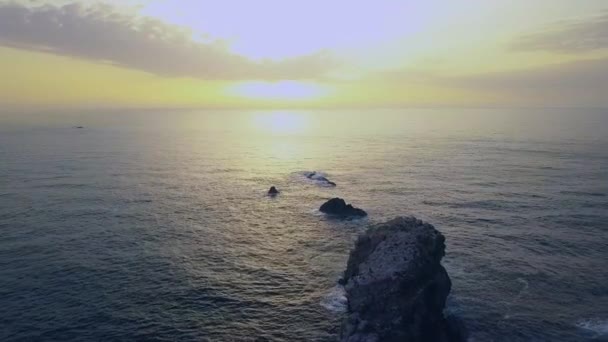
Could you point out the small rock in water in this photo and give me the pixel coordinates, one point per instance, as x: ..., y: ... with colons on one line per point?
x: 338, y: 207
x: 317, y: 177
x: 325, y: 180
x: 273, y: 191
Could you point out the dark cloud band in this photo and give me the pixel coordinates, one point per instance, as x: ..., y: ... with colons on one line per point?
x: 102, y: 33
x: 568, y: 37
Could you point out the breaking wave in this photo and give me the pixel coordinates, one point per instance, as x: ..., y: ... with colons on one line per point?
x: 335, y: 300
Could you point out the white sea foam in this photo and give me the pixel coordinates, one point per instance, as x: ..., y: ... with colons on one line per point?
x: 596, y: 326
x: 317, y: 212
x: 335, y: 300
x: 314, y: 174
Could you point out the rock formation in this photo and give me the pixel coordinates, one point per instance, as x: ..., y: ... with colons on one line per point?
x: 396, y: 286
x: 317, y: 177
x: 273, y: 191
x: 338, y: 207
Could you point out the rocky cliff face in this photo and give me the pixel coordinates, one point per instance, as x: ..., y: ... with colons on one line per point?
x: 396, y: 286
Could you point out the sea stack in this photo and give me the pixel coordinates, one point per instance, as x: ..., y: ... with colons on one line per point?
x: 338, y: 207
x: 396, y: 286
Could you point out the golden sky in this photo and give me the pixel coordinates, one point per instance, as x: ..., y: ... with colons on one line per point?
x: 277, y: 53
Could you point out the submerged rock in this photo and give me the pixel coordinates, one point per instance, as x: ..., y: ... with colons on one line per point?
x: 326, y: 181
x: 273, y: 191
x: 310, y: 175
x: 319, y: 178
x: 396, y: 286
x: 338, y: 207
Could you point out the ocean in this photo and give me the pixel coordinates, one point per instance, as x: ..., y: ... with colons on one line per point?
x: 154, y: 225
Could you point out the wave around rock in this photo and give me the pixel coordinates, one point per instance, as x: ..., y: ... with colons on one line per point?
x: 319, y: 178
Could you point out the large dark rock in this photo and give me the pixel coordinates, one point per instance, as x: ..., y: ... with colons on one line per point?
x: 396, y: 286
x: 338, y: 207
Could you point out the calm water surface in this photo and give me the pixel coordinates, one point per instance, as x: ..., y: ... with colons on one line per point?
x: 154, y: 225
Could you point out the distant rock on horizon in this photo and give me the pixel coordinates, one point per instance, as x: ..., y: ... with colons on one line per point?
x: 396, y: 286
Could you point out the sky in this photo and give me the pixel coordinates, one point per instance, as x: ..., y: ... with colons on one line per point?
x: 314, y: 53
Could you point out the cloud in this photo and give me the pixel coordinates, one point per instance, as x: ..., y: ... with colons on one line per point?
x: 578, y: 83
x: 102, y: 33
x: 568, y: 36
x: 588, y: 75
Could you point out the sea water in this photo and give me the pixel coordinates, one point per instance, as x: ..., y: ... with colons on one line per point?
x: 154, y: 225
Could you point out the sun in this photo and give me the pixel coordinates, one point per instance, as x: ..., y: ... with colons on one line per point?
x: 279, y: 91
x: 281, y: 122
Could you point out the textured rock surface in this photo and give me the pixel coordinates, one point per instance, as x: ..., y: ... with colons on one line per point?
x: 338, y: 207
x: 396, y: 286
